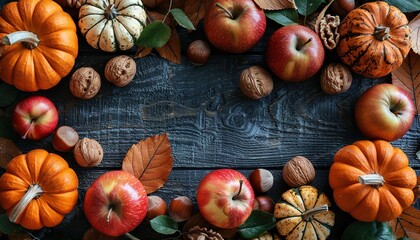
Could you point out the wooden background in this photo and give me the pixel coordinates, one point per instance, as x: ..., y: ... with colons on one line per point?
x: 209, y: 122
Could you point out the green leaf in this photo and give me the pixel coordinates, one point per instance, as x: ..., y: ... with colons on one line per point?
x: 8, y: 94
x: 306, y: 7
x: 256, y: 224
x: 405, y: 5
x: 154, y: 35
x: 164, y: 225
x: 7, y: 227
x: 284, y: 17
x: 182, y: 19
x: 368, y: 231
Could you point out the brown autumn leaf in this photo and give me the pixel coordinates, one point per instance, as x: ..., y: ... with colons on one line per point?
x: 275, y: 4
x: 172, y: 49
x: 407, y: 76
x: 8, y: 150
x: 150, y: 160
x: 407, y: 224
x: 142, y: 52
x: 195, y: 10
x: 415, y: 34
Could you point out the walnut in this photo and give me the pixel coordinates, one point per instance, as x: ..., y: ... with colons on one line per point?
x: 298, y: 171
x: 198, y: 233
x: 328, y: 31
x: 88, y: 152
x: 85, y: 83
x: 255, y: 82
x: 120, y: 70
x: 335, y: 78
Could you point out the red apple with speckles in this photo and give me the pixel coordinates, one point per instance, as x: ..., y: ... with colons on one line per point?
x: 225, y: 198
x: 115, y: 203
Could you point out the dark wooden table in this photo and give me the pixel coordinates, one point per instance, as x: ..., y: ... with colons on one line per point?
x: 209, y: 122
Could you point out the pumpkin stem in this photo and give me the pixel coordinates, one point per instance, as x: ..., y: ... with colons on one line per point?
x: 225, y: 10
x: 381, y: 33
x: 29, y: 39
x: 34, y: 191
x: 110, y: 12
x: 372, y: 179
x: 301, y: 46
x: 308, y: 214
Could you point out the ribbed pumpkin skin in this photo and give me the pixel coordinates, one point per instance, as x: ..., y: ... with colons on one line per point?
x: 362, y: 51
x: 368, y: 203
x: 44, y: 66
x: 52, y: 173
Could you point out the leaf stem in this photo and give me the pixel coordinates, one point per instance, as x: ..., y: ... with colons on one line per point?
x: 130, y: 236
x: 169, y: 10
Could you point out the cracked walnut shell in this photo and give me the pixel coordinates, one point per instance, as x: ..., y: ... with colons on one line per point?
x: 328, y: 31
x: 255, y: 82
x: 88, y: 152
x: 335, y: 78
x: 120, y: 70
x: 85, y: 83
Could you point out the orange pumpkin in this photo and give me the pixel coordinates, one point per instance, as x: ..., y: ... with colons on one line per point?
x: 38, y: 44
x: 38, y: 189
x: 372, y: 180
x: 374, y: 39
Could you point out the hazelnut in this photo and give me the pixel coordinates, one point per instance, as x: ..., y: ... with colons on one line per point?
x: 120, y: 70
x: 198, y: 52
x: 342, y: 7
x: 298, y: 171
x: 64, y: 138
x: 256, y: 82
x: 261, y: 180
x: 88, y: 152
x: 335, y: 78
x: 156, y: 206
x: 181, y: 208
x: 85, y: 83
x: 264, y: 203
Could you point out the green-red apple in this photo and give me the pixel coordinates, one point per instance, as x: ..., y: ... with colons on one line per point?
x: 384, y: 111
x: 234, y: 26
x: 115, y: 203
x: 294, y: 53
x: 34, y: 117
x: 225, y: 198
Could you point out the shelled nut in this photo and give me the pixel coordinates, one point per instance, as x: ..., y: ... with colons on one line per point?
x: 64, y: 138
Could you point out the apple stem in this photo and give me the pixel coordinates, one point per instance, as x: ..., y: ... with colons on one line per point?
x: 108, y: 216
x: 27, y: 130
x: 301, y: 46
x: 224, y: 9
x: 241, y: 182
x: 33, y: 191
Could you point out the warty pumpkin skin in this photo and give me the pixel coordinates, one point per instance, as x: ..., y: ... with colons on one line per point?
x: 371, y: 180
x: 374, y: 39
x: 39, y: 44
x: 112, y: 25
x: 38, y: 189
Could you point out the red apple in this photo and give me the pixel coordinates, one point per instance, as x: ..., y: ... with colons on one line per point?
x: 225, y: 198
x: 34, y: 117
x: 115, y: 203
x: 234, y: 26
x: 384, y: 111
x: 294, y: 53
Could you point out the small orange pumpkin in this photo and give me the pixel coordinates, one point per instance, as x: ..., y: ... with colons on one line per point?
x: 374, y: 39
x: 38, y: 189
x: 38, y: 44
x: 371, y: 180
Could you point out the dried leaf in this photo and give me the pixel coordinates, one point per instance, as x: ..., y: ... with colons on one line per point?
x: 407, y: 224
x: 151, y: 161
x: 321, y: 16
x: 415, y: 34
x: 172, y: 49
x: 8, y: 150
x: 142, y: 52
x: 195, y: 10
x: 407, y: 76
x: 275, y: 4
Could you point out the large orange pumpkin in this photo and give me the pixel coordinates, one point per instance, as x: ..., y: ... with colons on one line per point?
x: 38, y: 189
x: 374, y: 39
x: 372, y: 180
x: 38, y: 44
